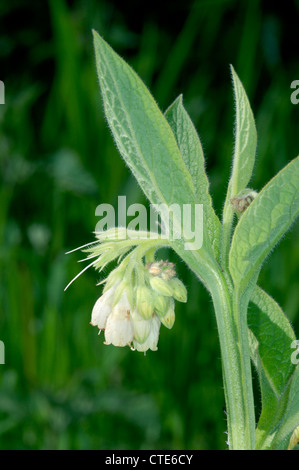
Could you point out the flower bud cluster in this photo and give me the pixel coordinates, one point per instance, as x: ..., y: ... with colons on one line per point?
x: 240, y: 203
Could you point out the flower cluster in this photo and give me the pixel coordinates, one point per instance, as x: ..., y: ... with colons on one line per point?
x: 138, y: 295
x: 132, y: 314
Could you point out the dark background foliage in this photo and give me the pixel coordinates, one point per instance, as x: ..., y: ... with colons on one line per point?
x: 61, y: 388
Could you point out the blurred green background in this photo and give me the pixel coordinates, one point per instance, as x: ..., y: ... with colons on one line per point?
x: 61, y: 388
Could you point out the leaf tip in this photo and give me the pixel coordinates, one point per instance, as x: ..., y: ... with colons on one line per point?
x: 94, y: 33
x: 97, y: 38
x: 234, y: 74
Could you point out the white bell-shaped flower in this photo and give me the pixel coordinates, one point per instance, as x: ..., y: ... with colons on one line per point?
x: 153, y: 337
x: 102, y: 309
x: 119, y: 328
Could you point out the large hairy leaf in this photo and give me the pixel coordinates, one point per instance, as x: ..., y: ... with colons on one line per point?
x: 144, y: 137
x: 192, y: 153
x: 271, y: 337
x: 263, y: 224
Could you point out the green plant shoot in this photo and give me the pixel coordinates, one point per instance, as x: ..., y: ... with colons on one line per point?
x: 165, y: 155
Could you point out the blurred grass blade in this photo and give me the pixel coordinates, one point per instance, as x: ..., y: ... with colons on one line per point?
x: 192, y: 153
x: 68, y: 70
x: 271, y: 336
x: 263, y: 224
x: 178, y: 54
x: 143, y: 135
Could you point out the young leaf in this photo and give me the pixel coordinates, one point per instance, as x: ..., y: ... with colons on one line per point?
x: 191, y: 150
x: 245, y: 140
x: 271, y: 336
x: 263, y: 223
x: 243, y: 161
x: 143, y: 135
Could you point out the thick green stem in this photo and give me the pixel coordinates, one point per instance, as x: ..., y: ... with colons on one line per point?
x: 231, y: 314
x: 232, y: 329
x: 237, y: 379
x: 228, y: 217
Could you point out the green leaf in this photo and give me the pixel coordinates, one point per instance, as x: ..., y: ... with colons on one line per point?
x: 245, y: 140
x: 191, y: 150
x: 263, y: 224
x: 290, y: 420
x: 243, y: 161
x: 271, y: 337
x: 275, y: 334
x: 143, y: 135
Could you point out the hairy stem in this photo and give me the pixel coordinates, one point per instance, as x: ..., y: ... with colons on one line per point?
x: 227, y: 224
x: 232, y: 329
x: 236, y: 368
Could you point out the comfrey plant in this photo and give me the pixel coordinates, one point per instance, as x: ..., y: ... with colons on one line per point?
x: 165, y: 155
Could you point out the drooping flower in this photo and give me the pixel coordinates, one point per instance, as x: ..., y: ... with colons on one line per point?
x: 137, y: 297
x: 119, y: 328
x: 152, y: 340
x: 102, y: 309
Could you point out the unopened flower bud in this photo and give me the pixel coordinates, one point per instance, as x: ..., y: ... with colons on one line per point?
x: 163, y: 269
x: 179, y: 291
x: 144, y: 302
x: 169, y: 318
x: 161, y: 303
x: 161, y: 286
x: 243, y: 200
x: 154, y: 269
x: 141, y: 327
